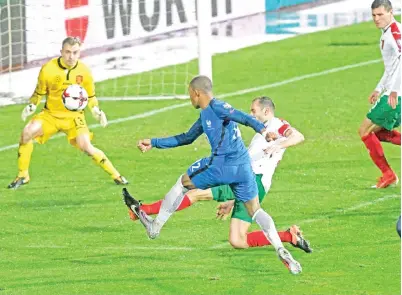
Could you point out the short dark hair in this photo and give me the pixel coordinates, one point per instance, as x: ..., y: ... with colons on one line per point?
x: 385, y: 3
x: 202, y: 83
x: 71, y: 41
x: 265, y: 102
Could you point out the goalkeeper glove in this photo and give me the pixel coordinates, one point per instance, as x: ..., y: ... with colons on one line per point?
x: 99, y: 115
x: 27, y: 111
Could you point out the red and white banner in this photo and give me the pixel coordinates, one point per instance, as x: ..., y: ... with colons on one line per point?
x: 113, y: 23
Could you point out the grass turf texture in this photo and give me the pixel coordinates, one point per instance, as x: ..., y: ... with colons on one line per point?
x: 68, y: 232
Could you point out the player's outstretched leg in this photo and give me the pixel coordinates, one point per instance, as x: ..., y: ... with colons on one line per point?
x: 287, y: 259
x: 102, y: 161
x: 83, y: 142
x: 189, y: 199
x: 391, y: 136
x: 169, y: 205
x: 298, y: 240
x: 292, y: 235
x: 134, y: 206
x: 265, y: 221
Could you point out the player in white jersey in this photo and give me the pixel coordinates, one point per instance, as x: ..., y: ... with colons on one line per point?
x: 385, y: 114
x: 265, y: 157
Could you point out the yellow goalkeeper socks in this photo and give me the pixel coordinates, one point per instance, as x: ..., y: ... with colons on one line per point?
x: 24, y: 158
x: 102, y: 161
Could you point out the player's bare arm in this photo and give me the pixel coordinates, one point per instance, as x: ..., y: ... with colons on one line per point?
x: 395, y: 88
x: 293, y: 137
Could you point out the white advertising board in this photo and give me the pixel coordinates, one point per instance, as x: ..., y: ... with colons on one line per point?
x: 110, y: 23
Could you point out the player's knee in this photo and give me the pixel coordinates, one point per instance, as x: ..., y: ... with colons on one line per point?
x: 186, y: 182
x: 237, y: 242
x: 26, y: 135
x: 362, y: 131
x: 252, y: 206
x: 85, y: 146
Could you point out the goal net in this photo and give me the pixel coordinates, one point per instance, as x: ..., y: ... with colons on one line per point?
x: 135, y: 48
x: 144, y: 49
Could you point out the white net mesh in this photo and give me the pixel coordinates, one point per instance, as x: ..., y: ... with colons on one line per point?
x: 148, y: 48
x: 120, y: 38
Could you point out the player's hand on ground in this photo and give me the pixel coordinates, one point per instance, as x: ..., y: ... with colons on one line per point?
x: 99, y: 115
x: 144, y: 145
x: 393, y: 99
x: 374, y: 96
x: 275, y: 148
x: 27, y: 111
x: 224, y: 209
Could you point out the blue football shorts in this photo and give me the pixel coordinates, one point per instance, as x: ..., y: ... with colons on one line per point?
x: 205, y: 173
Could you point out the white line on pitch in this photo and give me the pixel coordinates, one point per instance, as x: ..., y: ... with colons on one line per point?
x: 116, y: 248
x: 225, y: 95
x: 339, y: 212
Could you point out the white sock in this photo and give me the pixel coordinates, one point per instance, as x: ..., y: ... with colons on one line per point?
x: 265, y: 221
x: 170, y: 203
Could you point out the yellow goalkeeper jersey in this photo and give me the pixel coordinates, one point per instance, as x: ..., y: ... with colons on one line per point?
x: 54, y: 78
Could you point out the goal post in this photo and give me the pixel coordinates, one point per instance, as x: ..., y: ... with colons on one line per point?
x: 204, y: 38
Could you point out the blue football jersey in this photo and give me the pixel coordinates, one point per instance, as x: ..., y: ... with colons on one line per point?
x: 218, y: 122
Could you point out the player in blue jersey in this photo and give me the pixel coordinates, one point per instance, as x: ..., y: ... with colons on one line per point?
x: 229, y: 163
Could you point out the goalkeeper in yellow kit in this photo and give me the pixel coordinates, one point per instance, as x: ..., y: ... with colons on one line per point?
x: 54, y: 77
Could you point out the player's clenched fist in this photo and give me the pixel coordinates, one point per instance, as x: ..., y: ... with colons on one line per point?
x: 144, y: 145
x: 27, y: 111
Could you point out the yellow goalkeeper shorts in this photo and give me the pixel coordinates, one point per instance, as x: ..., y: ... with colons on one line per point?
x: 71, y: 126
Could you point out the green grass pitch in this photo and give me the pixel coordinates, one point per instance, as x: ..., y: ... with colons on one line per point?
x: 68, y: 232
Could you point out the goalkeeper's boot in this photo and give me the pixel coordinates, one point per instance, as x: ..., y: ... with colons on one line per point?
x: 18, y: 181
x: 121, y: 180
x: 134, y: 206
x: 298, y: 240
x: 388, y: 179
x: 287, y: 259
